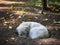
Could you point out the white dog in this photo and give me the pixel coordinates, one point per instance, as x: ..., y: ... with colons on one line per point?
x: 36, y: 30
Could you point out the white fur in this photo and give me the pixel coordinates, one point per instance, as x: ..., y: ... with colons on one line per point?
x: 36, y: 30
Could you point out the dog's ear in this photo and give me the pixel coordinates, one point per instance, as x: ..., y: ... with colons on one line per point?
x: 16, y: 33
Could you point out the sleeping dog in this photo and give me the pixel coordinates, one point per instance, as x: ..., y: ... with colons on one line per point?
x: 33, y: 30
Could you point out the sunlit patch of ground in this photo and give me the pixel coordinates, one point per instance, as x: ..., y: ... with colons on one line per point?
x: 49, y: 41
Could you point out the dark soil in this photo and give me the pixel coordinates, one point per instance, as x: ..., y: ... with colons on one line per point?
x: 9, y: 37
